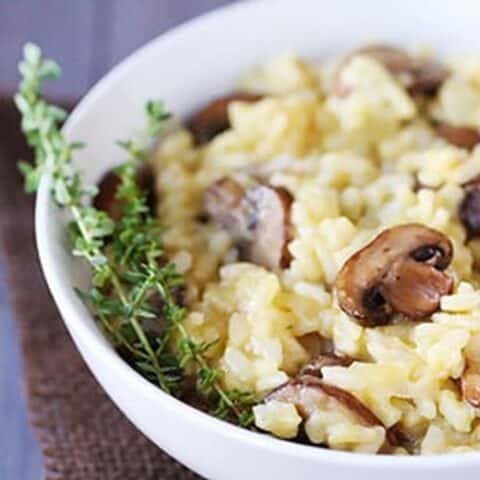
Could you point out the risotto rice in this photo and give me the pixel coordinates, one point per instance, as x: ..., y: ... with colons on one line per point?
x: 355, y: 164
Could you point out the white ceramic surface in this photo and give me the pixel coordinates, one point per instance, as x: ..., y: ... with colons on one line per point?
x: 185, y: 67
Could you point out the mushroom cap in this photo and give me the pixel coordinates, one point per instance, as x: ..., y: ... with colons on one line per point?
x: 399, y: 271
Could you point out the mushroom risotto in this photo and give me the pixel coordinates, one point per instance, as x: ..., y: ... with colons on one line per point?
x: 327, y: 221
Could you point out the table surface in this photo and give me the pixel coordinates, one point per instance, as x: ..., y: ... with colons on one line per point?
x: 87, y: 37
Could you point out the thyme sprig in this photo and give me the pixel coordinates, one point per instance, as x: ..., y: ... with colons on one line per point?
x: 132, y: 282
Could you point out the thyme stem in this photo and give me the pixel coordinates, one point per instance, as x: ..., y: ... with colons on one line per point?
x: 126, y: 257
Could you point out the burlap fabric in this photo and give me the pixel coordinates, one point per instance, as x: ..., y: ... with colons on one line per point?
x: 82, y: 435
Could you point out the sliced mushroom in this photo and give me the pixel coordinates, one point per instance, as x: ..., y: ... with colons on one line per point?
x: 105, y: 198
x: 107, y: 190
x: 257, y: 218
x: 315, y: 366
x: 400, y: 436
x: 419, y: 77
x: 395, y: 60
x: 463, y: 137
x: 322, y: 354
x: 316, y: 344
x: 425, y: 78
x: 471, y: 375
x: 223, y: 201
x: 469, y: 209
x: 310, y: 393
x: 401, y: 270
x: 212, y: 119
x: 471, y: 386
x: 271, y: 226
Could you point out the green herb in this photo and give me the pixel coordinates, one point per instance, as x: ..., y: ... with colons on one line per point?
x: 132, y: 280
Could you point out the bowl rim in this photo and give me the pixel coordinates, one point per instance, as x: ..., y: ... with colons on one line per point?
x: 73, y: 317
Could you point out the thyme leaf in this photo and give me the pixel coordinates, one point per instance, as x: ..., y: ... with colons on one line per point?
x: 132, y: 280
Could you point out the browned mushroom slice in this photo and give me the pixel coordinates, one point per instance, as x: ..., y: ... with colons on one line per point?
x: 401, y: 270
x: 146, y: 181
x: 107, y: 189
x: 419, y: 77
x: 398, y: 435
x: 471, y: 375
x: 395, y: 60
x: 414, y: 288
x: 271, y: 227
x: 425, y: 78
x: 463, y: 137
x: 471, y: 386
x: 315, y: 366
x: 316, y: 344
x: 257, y: 218
x: 469, y: 209
x: 309, y: 394
x: 322, y: 353
x: 105, y: 198
x: 212, y: 119
x: 223, y: 201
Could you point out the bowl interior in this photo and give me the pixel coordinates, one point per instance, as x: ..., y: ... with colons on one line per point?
x: 201, y: 60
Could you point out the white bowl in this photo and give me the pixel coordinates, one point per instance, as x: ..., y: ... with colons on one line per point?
x: 185, y: 67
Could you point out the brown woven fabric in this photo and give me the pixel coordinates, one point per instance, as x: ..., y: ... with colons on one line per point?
x: 83, y: 436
